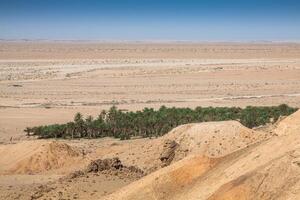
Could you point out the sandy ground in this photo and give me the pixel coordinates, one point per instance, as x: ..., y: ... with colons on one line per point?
x: 213, y: 160
x: 42, y: 83
x: 268, y: 169
x: 46, y: 82
x: 36, y: 169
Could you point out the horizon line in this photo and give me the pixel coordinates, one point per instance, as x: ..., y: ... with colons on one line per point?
x: 150, y: 41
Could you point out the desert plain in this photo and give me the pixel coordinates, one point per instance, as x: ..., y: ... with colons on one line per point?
x: 43, y: 82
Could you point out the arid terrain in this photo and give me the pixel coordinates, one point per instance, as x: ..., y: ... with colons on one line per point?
x: 42, y: 83
x: 212, y: 160
x: 48, y: 82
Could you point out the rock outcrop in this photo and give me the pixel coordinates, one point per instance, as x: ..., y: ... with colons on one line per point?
x: 113, y: 166
x: 168, y: 153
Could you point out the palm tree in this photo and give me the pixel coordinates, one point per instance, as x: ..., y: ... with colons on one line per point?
x: 70, y: 129
x: 28, y: 131
x: 89, y: 124
x: 79, y: 124
x: 149, y: 122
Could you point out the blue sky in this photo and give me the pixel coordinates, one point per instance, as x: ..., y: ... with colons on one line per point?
x: 202, y: 20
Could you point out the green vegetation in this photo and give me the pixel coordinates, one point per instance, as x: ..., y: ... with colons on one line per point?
x: 153, y: 123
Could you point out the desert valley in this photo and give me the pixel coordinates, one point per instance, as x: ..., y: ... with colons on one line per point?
x: 47, y: 82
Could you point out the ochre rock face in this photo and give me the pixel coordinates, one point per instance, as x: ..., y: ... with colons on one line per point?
x: 289, y: 125
x: 215, y: 161
x: 165, y: 183
x: 168, y: 152
x: 269, y: 169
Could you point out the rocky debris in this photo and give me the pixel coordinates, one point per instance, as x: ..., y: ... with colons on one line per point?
x: 168, y: 153
x: 105, y: 164
x: 41, y: 191
x: 136, y: 170
x: 114, y: 166
x: 109, y: 166
x: 75, y: 174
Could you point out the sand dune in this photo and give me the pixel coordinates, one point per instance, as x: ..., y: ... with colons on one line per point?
x: 266, y: 170
x: 289, y: 125
x: 199, y: 148
x: 214, y: 139
x: 211, y: 139
x: 213, y: 160
x: 45, y: 82
x: 164, y: 183
x: 33, y: 157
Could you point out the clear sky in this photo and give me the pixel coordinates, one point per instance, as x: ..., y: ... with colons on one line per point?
x: 193, y: 20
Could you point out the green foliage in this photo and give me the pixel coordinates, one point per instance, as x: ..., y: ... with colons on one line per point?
x: 154, y: 123
x: 256, y: 116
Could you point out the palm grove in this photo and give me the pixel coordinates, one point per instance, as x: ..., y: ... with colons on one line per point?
x: 153, y: 123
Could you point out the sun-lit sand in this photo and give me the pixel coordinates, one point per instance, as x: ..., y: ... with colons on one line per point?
x: 48, y: 82
x: 42, y: 83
